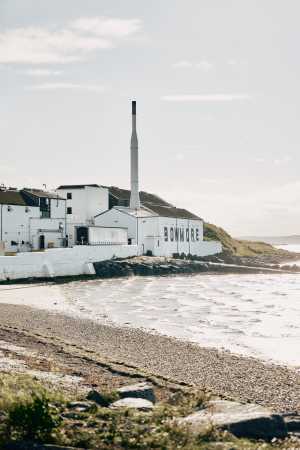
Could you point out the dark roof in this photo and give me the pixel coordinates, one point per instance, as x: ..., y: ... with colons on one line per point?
x: 77, y: 186
x: 124, y: 194
x: 42, y: 194
x: 171, y: 211
x: 11, y: 198
x: 154, y: 203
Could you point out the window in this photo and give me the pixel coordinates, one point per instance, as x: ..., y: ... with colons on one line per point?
x: 69, y: 210
x: 197, y: 234
x: 9, y: 208
x: 192, y: 235
x: 69, y: 195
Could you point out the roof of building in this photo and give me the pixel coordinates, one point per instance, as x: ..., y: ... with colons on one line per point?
x: 11, y: 197
x: 146, y: 197
x: 171, y: 211
x: 78, y: 186
x: 42, y: 194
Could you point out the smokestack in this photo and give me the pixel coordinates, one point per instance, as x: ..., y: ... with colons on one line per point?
x: 134, y: 173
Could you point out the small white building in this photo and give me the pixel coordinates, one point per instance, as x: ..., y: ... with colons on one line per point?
x: 83, y: 202
x: 31, y: 219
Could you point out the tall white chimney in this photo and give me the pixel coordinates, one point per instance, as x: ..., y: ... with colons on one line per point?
x: 134, y: 173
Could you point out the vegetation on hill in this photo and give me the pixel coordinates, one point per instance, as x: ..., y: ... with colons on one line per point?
x: 238, y: 247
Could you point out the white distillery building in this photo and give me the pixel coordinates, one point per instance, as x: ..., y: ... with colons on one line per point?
x: 155, y: 226
x: 31, y: 219
x: 83, y: 202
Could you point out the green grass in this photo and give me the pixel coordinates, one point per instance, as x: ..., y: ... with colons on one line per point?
x: 239, y: 247
x: 28, y: 412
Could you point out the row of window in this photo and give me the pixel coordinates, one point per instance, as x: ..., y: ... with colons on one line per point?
x: 181, y: 234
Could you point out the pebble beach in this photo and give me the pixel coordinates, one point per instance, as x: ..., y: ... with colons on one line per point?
x: 220, y: 372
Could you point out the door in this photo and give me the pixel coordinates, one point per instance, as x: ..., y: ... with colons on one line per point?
x: 82, y: 236
x: 42, y: 242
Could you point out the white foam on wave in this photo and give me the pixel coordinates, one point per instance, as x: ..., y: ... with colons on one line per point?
x: 257, y: 315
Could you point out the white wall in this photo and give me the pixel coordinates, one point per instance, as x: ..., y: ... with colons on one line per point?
x: 117, y: 218
x: 14, y: 226
x: 107, y: 236
x: 60, y: 261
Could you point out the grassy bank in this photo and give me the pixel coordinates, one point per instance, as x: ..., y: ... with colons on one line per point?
x: 238, y: 247
x: 32, y: 414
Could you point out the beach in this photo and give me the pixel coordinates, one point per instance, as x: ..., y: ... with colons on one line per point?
x: 144, y: 354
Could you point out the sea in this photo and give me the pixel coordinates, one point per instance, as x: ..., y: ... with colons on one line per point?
x: 253, y: 315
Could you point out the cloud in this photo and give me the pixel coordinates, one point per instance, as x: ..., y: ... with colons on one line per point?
x: 36, y: 45
x: 67, y: 86
x: 42, y: 73
x: 108, y: 27
x: 207, y: 97
x: 202, y: 65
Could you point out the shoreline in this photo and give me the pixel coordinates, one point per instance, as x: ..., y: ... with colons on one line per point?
x: 162, y: 266
x: 181, y: 362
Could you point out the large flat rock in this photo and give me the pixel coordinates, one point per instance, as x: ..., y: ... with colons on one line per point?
x: 138, y: 390
x: 140, y: 404
x: 249, y: 420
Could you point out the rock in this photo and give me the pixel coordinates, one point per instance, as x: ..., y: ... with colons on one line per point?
x: 249, y: 421
x: 81, y: 406
x: 292, y: 423
x: 139, y: 390
x: 137, y: 403
x: 98, y: 398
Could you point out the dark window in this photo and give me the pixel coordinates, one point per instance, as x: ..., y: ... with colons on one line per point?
x: 45, y: 207
x: 187, y: 235
x: 69, y: 195
x: 197, y: 234
x: 69, y: 210
x: 166, y: 234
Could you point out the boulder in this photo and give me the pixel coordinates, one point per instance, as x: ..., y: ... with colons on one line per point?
x: 248, y: 421
x: 139, y: 390
x: 137, y: 403
x: 292, y: 422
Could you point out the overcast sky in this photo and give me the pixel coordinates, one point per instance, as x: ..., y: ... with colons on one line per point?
x: 217, y: 90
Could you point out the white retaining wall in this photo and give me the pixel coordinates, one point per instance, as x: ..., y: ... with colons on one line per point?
x: 60, y: 261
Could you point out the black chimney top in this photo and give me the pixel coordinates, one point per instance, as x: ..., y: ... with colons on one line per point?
x: 134, y: 108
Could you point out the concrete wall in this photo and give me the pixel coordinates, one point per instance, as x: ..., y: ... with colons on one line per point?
x: 60, y: 261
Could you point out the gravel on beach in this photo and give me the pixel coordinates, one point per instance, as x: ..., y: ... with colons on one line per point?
x: 220, y: 372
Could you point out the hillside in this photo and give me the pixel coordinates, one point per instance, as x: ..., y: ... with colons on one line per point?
x: 239, y: 247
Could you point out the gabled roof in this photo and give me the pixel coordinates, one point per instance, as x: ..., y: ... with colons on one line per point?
x: 124, y: 194
x: 12, y: 198
x: 78, y: 186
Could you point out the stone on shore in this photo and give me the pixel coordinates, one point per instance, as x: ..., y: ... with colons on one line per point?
x: 137, y: 403
x: 139, y: 390
x: 247, y: 421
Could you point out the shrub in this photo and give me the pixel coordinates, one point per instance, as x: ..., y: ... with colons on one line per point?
x: 32, y: 420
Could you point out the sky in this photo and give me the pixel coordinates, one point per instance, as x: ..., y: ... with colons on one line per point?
x: 218, y: 101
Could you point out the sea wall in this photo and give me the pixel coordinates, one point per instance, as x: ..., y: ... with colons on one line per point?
x: 60, y: 262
